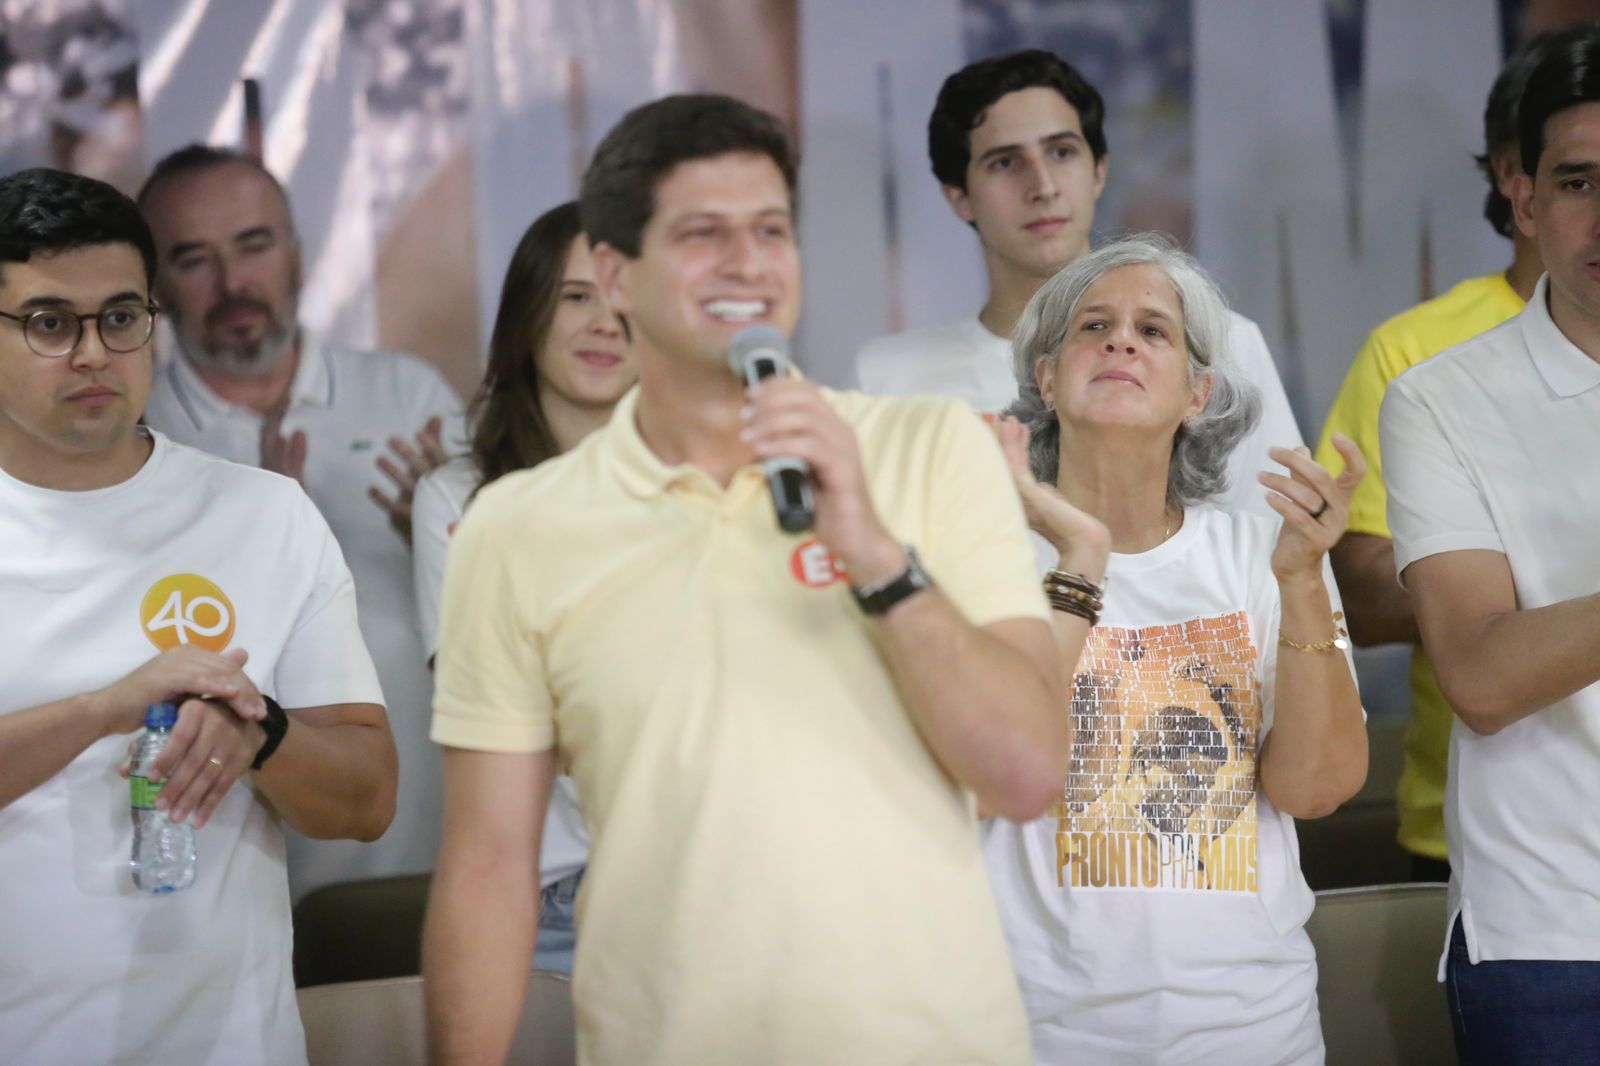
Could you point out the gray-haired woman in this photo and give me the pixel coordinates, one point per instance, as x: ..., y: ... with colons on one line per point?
x: 1156, y: 915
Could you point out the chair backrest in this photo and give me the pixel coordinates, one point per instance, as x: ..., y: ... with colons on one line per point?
x: 360, y: 931
x: 1377, y: 961
x: 381, y: 1023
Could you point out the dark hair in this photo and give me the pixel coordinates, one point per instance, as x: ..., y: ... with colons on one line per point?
x: 196, y: 157
x: 510, y: 431
x: 619, y: 187
x: 44, y: 211
x: 967, y: 95
x: 1500, y: 119
x: 1566, y: 77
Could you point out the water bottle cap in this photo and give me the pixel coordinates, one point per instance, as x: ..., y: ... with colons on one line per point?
x: 160, y: 716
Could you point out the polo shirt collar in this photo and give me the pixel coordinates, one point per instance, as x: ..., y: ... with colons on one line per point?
x: 1566, y: 369
x: 313, y: 378
x: 641, y: 471
x: 312, y: 385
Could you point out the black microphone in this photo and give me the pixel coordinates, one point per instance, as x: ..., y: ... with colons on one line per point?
x: 760, y: 352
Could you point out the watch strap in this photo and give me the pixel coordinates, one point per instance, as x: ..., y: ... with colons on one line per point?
x: 275, y: 725
x: 878, y: 597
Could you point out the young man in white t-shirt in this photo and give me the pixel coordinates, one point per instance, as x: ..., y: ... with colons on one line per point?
x: 1494, y: 501
x: 1018, y: 144
x: 136, y: 571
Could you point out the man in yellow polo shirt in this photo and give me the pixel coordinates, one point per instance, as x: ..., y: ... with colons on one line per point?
x: 777, y: 738
x: 1363, y: 560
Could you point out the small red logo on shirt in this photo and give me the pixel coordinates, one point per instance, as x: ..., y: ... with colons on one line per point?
x: 813, y: 567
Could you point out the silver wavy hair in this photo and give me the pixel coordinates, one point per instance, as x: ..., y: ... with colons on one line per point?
x: 1201, y: 447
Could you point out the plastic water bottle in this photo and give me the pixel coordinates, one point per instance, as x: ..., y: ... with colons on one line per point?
x: 163, y: 850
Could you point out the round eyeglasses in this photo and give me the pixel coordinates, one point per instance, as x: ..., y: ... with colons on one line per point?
x: 55, y: 333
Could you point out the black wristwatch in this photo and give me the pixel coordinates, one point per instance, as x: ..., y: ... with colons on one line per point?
x: 275, y: 725
x: 878, y: 597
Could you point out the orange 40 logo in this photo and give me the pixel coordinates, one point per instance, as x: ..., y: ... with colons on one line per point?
x: 187, y: 609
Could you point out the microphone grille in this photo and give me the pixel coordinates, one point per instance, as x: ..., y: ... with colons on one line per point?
x: 759, y: 340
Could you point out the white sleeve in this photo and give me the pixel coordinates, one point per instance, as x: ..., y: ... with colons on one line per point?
x: 1277, y: 428
x: 434, y: 514
x: 324, y: 661
x: 1434, y: 505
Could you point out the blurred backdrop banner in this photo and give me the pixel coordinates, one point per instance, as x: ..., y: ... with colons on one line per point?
x: 1316, y: 154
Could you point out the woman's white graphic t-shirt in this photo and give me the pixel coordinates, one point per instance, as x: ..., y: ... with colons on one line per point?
x: 1156, y: 914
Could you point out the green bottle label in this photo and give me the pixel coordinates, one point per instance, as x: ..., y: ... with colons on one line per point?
x: 144, y: 792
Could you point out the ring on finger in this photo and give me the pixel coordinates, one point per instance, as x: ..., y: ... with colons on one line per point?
x: 218, y: 763
x: 1320, y: 511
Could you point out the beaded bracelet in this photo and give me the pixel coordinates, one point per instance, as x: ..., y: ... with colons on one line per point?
x: 1077, y: 608
x: 1074, y: 594
x: 1077, y: 581
x: 1078, y: 595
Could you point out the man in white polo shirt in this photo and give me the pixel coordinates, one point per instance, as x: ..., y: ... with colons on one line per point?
x: 134, y: 571
x: 251, y: 385
x: 1018, y: 144
x: 776, y: 737
x: 1492, y: 452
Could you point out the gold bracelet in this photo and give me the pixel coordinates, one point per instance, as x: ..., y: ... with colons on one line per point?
x: 1340, y: 641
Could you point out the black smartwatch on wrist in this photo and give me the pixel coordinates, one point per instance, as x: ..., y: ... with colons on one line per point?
x: 275, y: 725
x: 878, y: 597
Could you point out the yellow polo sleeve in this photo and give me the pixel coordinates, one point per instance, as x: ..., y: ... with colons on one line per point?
x: 977, y: 546
x: 490, y: 690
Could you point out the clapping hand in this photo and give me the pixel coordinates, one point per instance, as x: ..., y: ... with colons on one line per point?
x: 414, y: 464
x: 1080, y: 537
x: 1314, y: 504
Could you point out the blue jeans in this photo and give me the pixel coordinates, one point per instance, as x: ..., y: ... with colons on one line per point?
x: 1522, y: 1011
x: 558, y: 928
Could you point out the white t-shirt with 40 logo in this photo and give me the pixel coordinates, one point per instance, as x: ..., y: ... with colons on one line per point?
x: 191, y: 550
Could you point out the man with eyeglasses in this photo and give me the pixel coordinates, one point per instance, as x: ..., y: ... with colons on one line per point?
x: 356, y: 428
x: 53, y: 333
x: 131, y: 573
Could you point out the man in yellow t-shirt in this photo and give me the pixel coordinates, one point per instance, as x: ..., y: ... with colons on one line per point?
x: 1363, y: 560
x: 777, y: 737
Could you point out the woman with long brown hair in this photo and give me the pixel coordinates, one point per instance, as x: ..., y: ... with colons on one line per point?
x: 558, y: 362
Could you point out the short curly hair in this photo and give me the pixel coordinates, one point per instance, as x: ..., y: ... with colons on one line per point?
x: 44, y: 211
x: 967, y: 95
